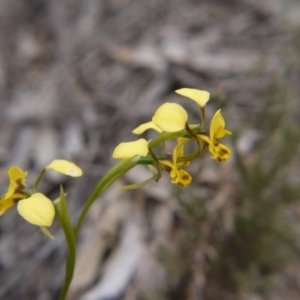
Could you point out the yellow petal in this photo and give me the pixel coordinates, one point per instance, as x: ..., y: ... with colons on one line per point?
x: 167, y: 163
x: 65, y: 167
x: 15, y: 173
x: 5, y: 204
x: 17, y: 177
x: 216, y: 124
x: 143, y: 127
x: 184, y: 178
x: 179, y: 149
x: 201, y: 97
x: 170, y: 117
x: 219, y: 151
x: 181, y: 177
x: 130, y: 149
x: 174, y: 175
x: 37, y: 210
x: 221, y: 133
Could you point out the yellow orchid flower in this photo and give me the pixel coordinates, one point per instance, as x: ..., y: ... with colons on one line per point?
x: 172, y: 117
x: 34, y: 207
x: 37, y: 210
x: 201, y: 97
x: 178, y: 176
x: 130, y: 149
x: 169, y: 117
x: 17, y: 181
x: 217, y: 130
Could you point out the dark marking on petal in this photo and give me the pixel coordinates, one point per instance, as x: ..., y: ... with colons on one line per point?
x: 185, y: 177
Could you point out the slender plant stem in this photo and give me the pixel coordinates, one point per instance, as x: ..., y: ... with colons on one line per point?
x: 35, y: 185
x: 65, y: 222
x: 109, y: 178
x: 70, y: 266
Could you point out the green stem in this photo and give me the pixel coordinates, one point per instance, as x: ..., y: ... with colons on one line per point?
x: 172, y: 135
x: 165, y: 137
x: 65, y: 222
x: 191, y: 156
x: 70, y: 266
x: 202, y: 113
x: 108, y: 179
x: 148, y: 160
x: 36, y: 183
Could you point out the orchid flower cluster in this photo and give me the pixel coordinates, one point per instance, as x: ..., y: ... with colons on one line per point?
x: 170, y: 121
x: 33, y: 206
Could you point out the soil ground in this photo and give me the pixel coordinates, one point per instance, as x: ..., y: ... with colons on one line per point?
x: 77, y: 76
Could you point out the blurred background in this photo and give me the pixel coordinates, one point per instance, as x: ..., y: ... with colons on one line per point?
x: 77, y: 76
